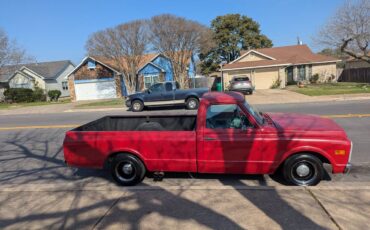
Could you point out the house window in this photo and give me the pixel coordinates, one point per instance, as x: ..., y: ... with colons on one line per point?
x: 91, y: 64
x: 149, y: 80
x: 65, y: 85
x: 301, y: 73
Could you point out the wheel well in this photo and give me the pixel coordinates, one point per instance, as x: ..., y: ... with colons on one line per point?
x: 191, y: 96
x: 318, y: 155
x: 113, y: 155
x: 138, y: 99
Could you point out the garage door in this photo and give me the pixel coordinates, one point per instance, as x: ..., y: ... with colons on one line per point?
x: 264, y: 79
x: 95, y: 90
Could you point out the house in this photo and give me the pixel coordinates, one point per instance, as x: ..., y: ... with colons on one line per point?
x: 45, y: 75
x: 289, y: 64
x: 100, y: 78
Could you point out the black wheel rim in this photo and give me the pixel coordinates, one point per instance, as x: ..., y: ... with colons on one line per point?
x: 303, y: 172
x: 125, y: 171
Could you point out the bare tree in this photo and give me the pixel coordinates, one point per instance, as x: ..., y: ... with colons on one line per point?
x: 125, y: 45
x: 349, y: 30
x: 10, y: 52
x: 178, y: 39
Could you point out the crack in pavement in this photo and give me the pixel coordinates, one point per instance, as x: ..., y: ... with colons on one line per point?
x: 323, y: 208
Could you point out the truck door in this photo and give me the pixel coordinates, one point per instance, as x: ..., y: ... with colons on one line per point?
x: 168, y: 94
x: 230, y: 142
x: 154, y: 95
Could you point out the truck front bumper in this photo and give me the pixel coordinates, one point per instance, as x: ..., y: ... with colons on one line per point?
x: 128, y: 103
x: 348, y: 167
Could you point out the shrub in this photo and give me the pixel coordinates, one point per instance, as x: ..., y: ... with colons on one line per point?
x: 38, y: 94
x: 18, y: 95
x: 275, y: 84
x: 54, y: 94
x: 314, y: 78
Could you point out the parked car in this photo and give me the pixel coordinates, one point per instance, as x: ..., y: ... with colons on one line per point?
x: 241, y: 84
x: 226, y: 136
x: 165, y: 94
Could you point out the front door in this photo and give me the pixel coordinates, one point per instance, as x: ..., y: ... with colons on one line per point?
x: 230, y: 142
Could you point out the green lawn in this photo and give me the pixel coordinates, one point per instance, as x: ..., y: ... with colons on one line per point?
x: 103, y: 103
x: 38, y: 103
x: 332, y: 88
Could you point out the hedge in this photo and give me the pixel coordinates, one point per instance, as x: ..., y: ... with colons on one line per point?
x: 24, y: 95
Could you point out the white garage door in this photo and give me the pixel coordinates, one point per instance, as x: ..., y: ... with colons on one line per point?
x: 95, y: 90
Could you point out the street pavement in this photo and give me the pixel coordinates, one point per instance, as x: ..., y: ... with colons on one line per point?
x: 38, y: 191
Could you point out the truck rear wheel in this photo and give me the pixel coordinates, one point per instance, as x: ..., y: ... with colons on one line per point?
x: 303, y: 169
x: 192, y: 103
x: 127, y: 170
x: 137, y: 106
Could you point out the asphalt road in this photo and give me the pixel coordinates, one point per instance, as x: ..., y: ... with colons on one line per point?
x: 37, y: 190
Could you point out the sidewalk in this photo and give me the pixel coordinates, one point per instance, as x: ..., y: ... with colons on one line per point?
x: 147, y: 207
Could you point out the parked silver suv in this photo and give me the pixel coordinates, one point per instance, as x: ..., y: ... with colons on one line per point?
x: 241, y: 84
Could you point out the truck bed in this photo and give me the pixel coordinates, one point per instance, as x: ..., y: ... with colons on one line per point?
x: 141, y: 123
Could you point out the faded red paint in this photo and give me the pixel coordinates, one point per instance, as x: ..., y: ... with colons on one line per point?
x: 253, y: 151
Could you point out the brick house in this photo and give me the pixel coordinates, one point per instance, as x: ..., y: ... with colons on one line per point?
x: 100, y: 78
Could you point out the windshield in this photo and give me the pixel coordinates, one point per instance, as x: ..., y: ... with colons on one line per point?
x: 255, y: 113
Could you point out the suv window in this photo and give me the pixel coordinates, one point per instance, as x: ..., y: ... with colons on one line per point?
x: 226, y: 117
x: 241, y: 79
x: 157, y: 88
x: 168, y: 86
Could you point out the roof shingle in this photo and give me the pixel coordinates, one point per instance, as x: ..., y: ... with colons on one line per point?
x: 290, y: 55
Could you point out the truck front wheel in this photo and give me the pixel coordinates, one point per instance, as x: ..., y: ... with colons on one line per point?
x: 127, y: 170
x: 137, y: 106
x: 303, y: 169
x: 192, y: 103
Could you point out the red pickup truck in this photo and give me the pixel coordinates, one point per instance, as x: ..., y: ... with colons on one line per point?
x: 226, y: 136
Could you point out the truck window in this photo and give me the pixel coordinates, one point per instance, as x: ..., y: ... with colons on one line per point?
x: 157, y: 88
x: 226, y: 117
x: 168, y: 86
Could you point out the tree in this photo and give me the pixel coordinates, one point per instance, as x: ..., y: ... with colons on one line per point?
x: 178, y: 39
x: 333, y: 52
x: 10, y: 52
x: 232, y: 33
x: 125, y: 45
x: 349, y: 30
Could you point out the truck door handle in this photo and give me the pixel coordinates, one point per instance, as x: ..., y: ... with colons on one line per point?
x: 209, y: 138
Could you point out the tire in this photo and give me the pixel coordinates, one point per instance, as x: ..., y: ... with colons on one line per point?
x: 137, y: 106
x: 251, y: 92
x: 127, y: 170
x: 303, y: 170
x: 192, y: 103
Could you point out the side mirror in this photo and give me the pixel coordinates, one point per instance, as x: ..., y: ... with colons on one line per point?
x: 148, y: 91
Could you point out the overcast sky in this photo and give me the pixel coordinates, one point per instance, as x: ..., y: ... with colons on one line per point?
x: 57, y: 30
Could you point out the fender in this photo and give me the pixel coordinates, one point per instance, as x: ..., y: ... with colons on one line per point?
x: 301, y: 149
x: 126, y: 150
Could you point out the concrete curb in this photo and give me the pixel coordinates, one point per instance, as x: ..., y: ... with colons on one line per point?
x: 104, y: 187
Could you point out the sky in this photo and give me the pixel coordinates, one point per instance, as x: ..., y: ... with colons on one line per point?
x: 53, y: 30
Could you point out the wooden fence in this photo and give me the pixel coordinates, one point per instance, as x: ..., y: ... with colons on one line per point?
x: 355, y: 75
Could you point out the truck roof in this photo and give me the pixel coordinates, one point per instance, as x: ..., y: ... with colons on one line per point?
x: 220, y: 97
